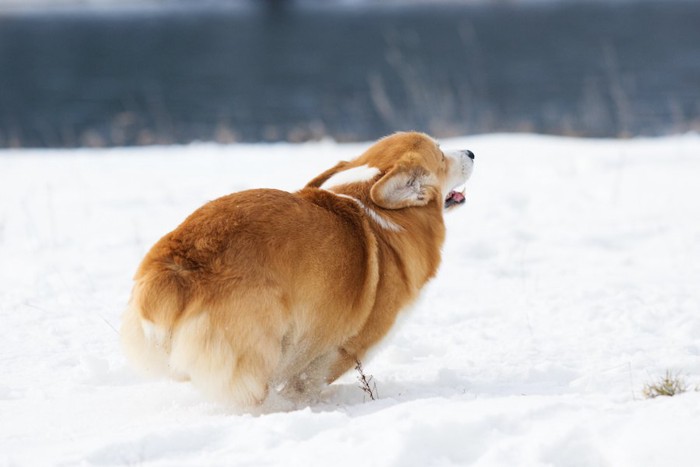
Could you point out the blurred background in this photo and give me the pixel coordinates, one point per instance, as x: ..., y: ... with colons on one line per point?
x: 99, y: 73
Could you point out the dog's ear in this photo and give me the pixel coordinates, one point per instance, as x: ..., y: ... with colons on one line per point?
x: 321, y: 179
x: 403, y: 186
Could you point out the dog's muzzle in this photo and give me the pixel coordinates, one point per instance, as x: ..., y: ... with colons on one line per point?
x: 465, y: 160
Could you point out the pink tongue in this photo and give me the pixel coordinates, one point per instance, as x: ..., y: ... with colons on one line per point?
x: 457, y: 196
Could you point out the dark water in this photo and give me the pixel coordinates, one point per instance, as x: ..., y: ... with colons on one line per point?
x: 173, y: 76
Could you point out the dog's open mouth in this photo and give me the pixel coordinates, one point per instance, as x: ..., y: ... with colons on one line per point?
x: 455, y: 198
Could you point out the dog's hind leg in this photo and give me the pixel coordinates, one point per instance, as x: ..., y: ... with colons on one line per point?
x: 306, y: 386
x: 230, y: 355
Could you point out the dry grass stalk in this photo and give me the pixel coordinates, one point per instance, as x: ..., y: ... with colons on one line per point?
x: 669, y: 385
x: 366, y: 383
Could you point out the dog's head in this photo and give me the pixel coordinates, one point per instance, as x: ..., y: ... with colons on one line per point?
x: 404, y: 170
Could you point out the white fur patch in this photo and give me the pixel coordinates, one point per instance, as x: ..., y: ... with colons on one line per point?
x: 144, y: 344
x: 359, y: 174
x: 384, y: 223
x: 154, y: 334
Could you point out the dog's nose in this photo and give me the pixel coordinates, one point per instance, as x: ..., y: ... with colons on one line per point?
x: 469, y: 154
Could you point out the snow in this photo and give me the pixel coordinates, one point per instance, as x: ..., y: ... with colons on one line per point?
x: 569, y: 281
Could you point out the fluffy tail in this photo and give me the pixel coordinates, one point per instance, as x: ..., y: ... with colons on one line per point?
x: 157, y: 302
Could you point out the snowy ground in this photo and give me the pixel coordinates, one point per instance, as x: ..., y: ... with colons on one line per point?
x: 569, y: 280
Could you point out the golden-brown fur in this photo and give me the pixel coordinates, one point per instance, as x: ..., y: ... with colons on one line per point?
x: 264, y: 289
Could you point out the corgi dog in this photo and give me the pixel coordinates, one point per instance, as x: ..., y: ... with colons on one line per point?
x: 265, y: 293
